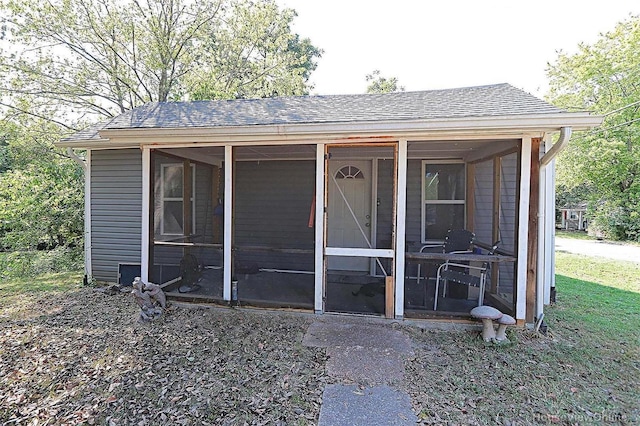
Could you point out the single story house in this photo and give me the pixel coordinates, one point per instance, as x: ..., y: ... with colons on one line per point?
x: 327, y: 203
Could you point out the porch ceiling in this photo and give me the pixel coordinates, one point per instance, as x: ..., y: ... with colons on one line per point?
x: 446, y: 149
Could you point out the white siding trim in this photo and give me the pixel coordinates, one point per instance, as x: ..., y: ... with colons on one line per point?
x: 228, y: 222
x: 523, y: 229
x: 318, y: 303
x: 401, y: 212
x: 88, y: 270
x: 144, y: 243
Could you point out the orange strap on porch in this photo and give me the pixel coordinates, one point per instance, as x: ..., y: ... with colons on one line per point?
x: 312, y: 213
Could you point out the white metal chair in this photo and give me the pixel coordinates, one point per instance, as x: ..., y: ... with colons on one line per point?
x: 461, y: 273
x: 456, y: 241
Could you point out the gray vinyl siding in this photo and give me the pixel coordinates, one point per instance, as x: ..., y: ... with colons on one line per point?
x: 271, y: 209
x: 483, y: 209
x: 116, y: 210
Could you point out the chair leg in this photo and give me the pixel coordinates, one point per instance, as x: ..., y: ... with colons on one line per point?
x: 483, y: 280
x: 435, y: 298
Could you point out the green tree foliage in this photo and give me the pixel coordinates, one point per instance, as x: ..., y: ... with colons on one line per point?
x: 107, y: 56
x: 68, y: 62
x: 254, y: 54
x: 603, y: 165
x: 380, y: 84
x: 41, y: 193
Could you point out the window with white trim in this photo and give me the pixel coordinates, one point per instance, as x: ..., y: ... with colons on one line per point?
x: 443, y: 198
x: 172, y: 199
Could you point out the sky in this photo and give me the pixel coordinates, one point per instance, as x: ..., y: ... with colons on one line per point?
x: 442, y: 44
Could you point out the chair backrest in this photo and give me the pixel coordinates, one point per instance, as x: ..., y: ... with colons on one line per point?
x: 458, y: 240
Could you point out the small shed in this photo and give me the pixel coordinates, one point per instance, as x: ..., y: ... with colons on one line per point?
x: 323, y: 203
x: 573, y: 218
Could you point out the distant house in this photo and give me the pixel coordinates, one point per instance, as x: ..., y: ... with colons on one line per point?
x: 573, y: 218
x: 321, y: 203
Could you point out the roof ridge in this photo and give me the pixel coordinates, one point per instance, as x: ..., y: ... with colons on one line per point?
x: 343, y: 95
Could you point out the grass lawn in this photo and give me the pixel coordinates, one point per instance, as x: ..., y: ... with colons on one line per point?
x: 585, y: 371
x: 71, y: 355
x: 597, y: 321
x: 576, y: 235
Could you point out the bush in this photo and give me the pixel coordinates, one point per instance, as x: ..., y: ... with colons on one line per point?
x: 21, y: 264
x: 615, y: 221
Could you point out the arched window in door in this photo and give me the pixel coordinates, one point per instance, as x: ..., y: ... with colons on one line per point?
x: 349, y: 172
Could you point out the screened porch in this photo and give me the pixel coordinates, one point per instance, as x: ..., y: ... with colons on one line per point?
x: 269, y: 220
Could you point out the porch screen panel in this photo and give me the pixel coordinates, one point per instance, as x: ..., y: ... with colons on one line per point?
x: 384, y: 210
x: 190, y: 262
x: 483, y: 193
x: 508, y: 220
x: 360, y: 223
x: 413, y: 226
x: 274, y: 232
x: 444, y: 193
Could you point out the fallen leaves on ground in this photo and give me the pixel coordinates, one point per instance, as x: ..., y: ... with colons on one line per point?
x: 82, y: 358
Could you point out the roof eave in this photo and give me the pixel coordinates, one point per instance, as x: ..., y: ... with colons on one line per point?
x: 490, y: 125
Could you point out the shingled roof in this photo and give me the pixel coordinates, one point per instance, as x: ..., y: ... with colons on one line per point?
x: 480, y: 101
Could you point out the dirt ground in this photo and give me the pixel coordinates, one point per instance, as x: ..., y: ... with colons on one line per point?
x: 82, y: 358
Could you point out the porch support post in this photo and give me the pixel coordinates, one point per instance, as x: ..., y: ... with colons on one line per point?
x: 401, y: 210
x: 146, y: 214
x: 88, y: 269
x: 228, y: 222
x: 318, y: 299
x: 534, y: 224
x: 523, y: 229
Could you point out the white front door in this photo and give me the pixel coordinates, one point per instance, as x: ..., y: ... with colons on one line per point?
x: 349, y: 212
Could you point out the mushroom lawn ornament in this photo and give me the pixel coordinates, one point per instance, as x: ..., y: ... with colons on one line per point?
x: 503, y: 322
x: 487, y: 314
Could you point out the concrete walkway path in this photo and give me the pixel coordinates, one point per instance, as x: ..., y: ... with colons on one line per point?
x: 366, y: 359
x: 598, y: 248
